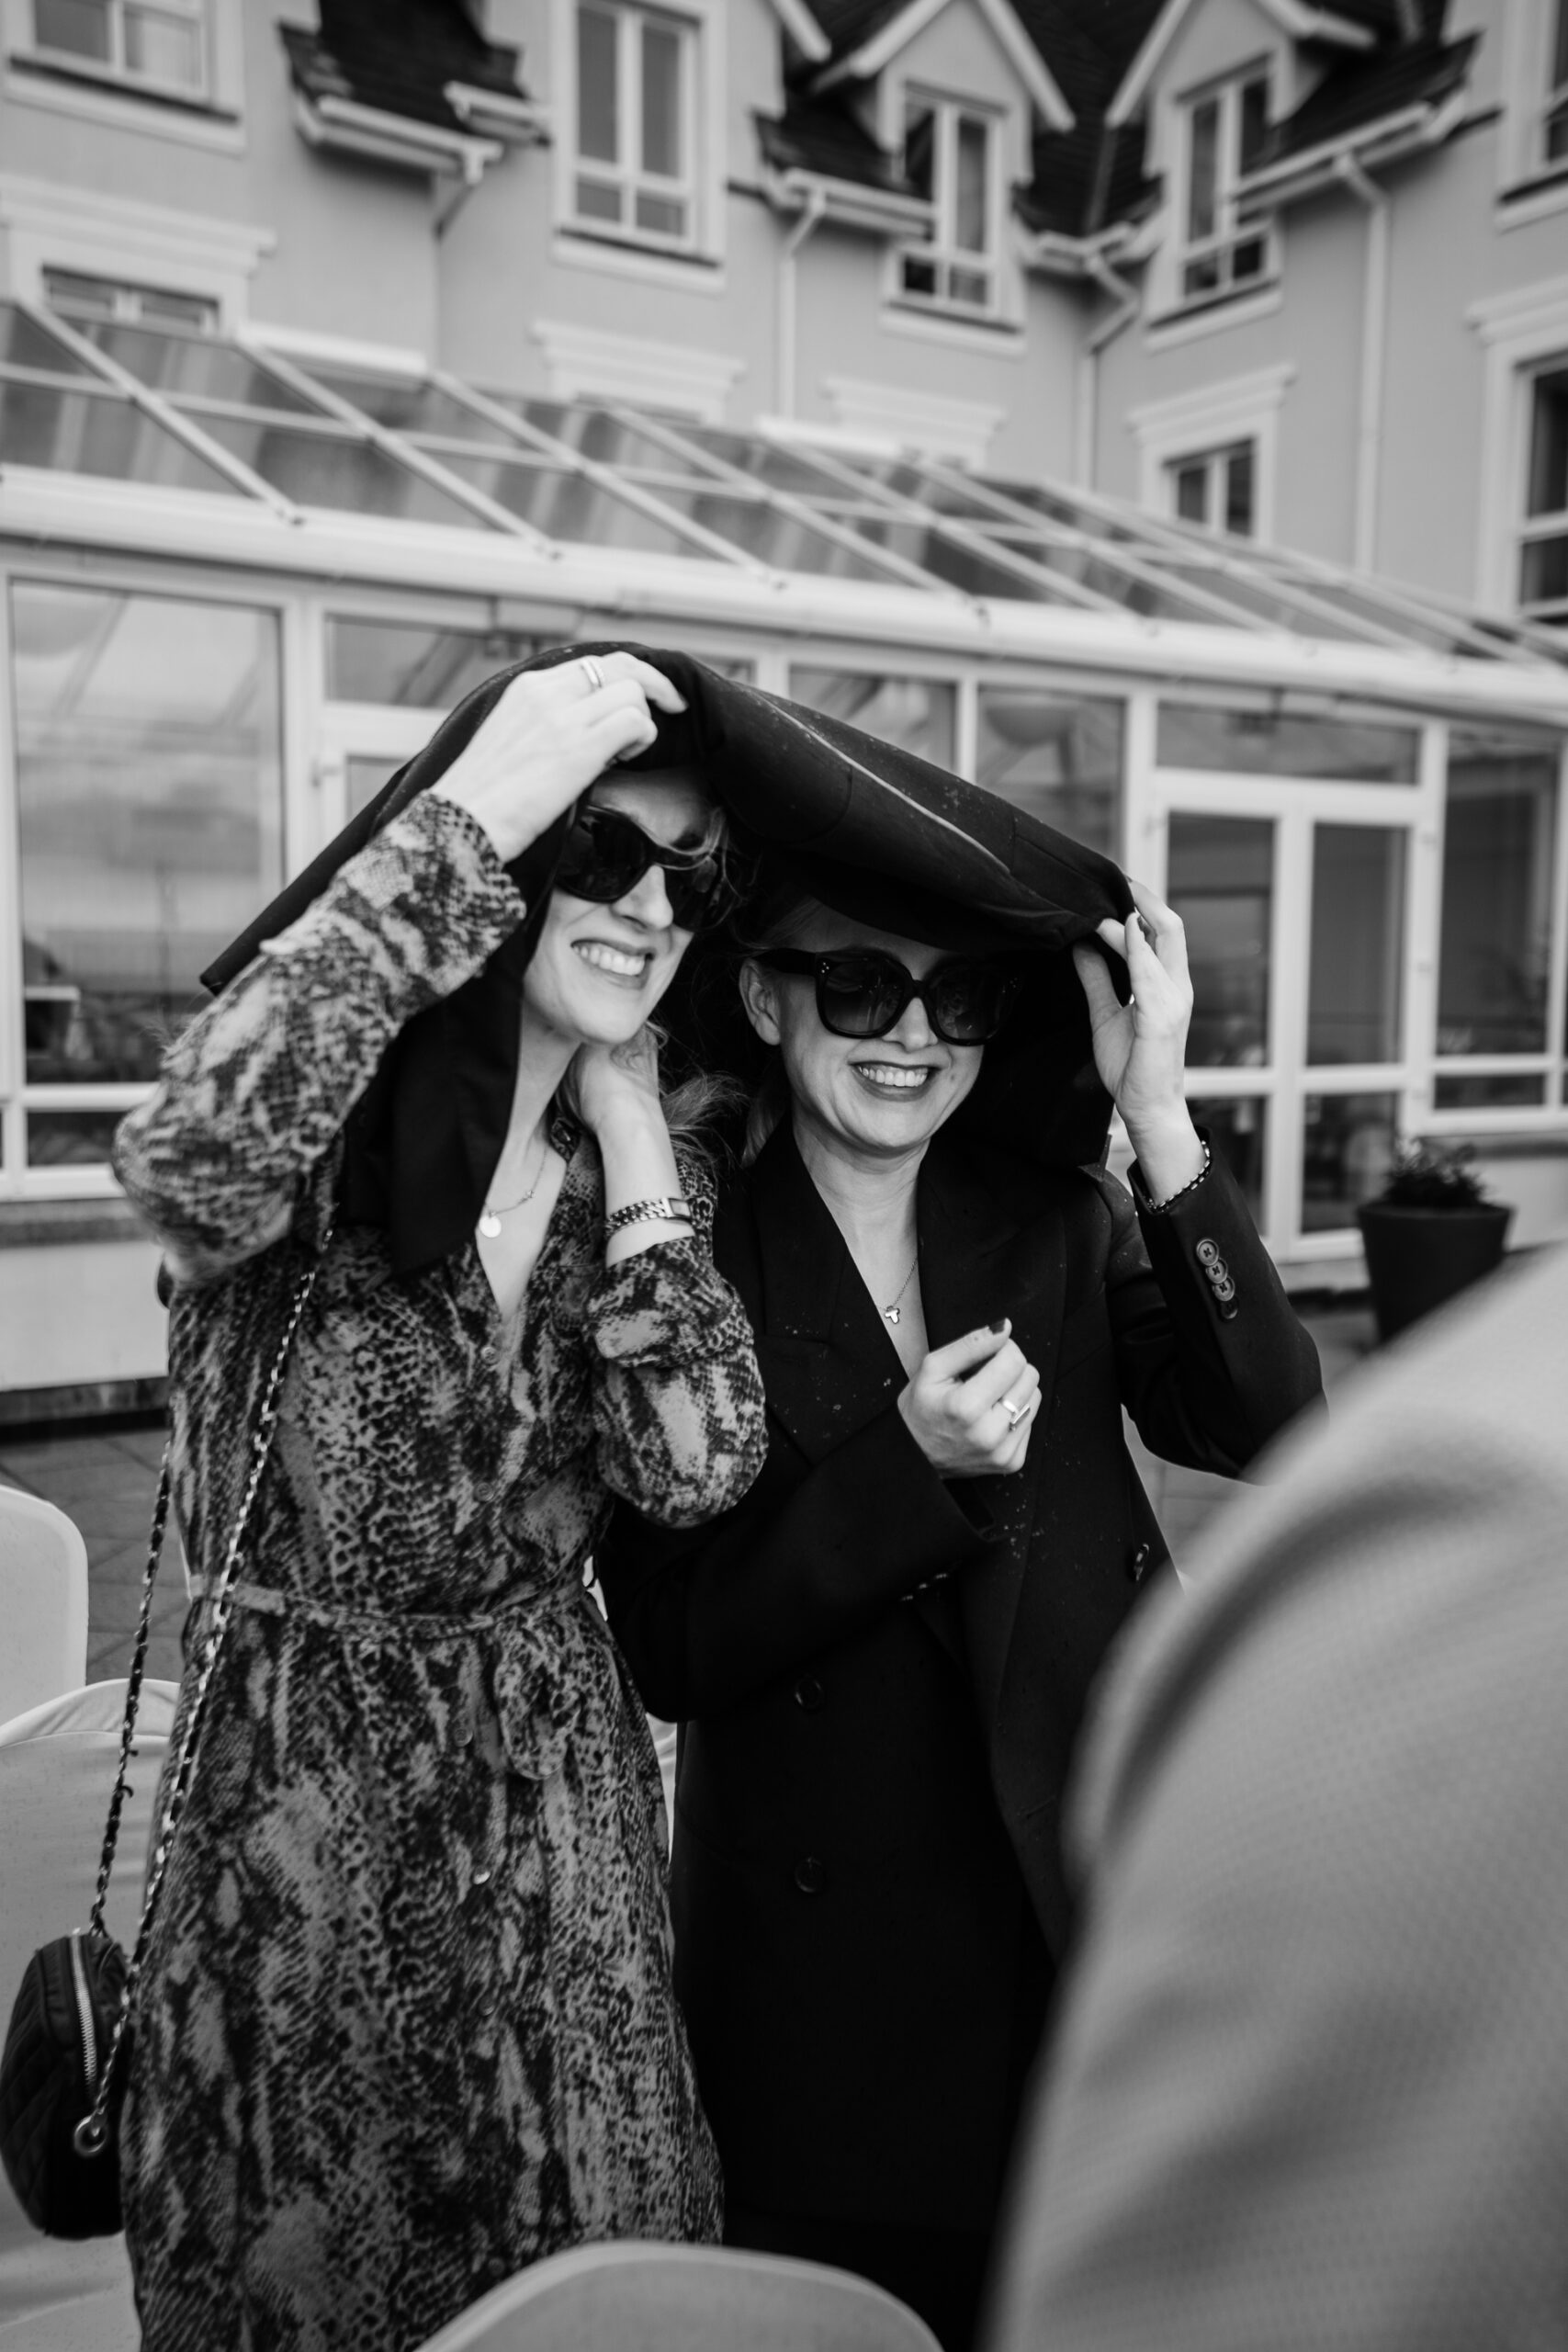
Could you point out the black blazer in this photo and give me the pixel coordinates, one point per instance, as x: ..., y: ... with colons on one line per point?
x: 880, y: 1676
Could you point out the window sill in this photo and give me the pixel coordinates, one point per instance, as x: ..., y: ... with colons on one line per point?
x: 1532, y: 199
x: 1213, y: 313
x: 131, y: 106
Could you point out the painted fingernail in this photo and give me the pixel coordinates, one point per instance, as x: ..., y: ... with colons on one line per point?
x: 1005, y: 1325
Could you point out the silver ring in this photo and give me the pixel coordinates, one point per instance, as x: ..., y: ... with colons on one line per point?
x: 1015, y: 1413
x: 595, y: 676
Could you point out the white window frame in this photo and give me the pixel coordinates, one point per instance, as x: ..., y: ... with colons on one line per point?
x: 1176, y: 431
x: 116, y: 69
x: 700, y: 185
x: 1532, y: 527
x: 57, y: 82
x: 1213, y: 465
x: 942, y: 248
x: 1530, y: 181
x: 44, y: 226
x: 1228, y: 234
x: 1523, y: 333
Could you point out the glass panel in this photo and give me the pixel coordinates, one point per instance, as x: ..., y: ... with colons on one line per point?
x: 1058, y: 756
x: 70, y: 1138
x: 1193, y: 493
x: 568, y: 506
x: 365, y: 779
x: 85, y: 433
x: 1281, y: 740
x: 598, y: 114
x: 1237, y: 1126
x: 767, y: 462
x: 1547, y: 484
x: 597, y: 433
x: 919, y: 148
x: 331, y: 471
x: 1347, y: 1152
x: 1494, y: 1090
x: 149, y: 773
x: 919, y: 277
x: 67, y: 291
x: 1204, y: 170
x: 76, y: 28
x: 661, y: 216
x: 1495, y: 949
x: 25, y: 344
x: 1559, y: 47
x: 1220, y: 879
x: 201, y: 365
x: 1239, y: 490
x: 420, y: 669
x: 917, y: 714
x: 965, y: 567
x: 597, y: 202
x: 163, y: 48
x: 971, y: 226
x: 1254, y: 121
x: 407, y: 407
x: 661, y: 101
x: 1358, y: 943
x: 1543, y: 572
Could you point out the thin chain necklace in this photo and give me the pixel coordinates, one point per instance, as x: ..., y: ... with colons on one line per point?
x: 489, y: 1222
x: 892, y: 1312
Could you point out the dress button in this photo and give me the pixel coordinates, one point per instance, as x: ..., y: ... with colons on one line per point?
x: 809, y: 1694
x: 810, y: 1875
x: 1138, y: 1565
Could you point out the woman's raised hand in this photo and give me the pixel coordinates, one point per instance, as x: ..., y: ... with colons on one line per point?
x: 1139, y: 1048
x: 970, y: 1406
x: 618, y: 1085
x: 550, y: 734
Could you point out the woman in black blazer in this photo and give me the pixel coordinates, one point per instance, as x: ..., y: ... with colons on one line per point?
x: 880, y: 1657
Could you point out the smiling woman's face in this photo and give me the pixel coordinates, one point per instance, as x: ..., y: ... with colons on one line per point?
x: 598, y: 971
x: 864, y: 1098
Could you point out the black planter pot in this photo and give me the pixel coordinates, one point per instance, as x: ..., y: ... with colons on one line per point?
x: 1418, y: 1258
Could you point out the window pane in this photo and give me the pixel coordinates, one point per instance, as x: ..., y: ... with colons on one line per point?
x: 165, y: 48
x: 421, y: 669
x: 1239, y: 490
x: 919, y: 277
x: 1543, y: 572
x: 322, y: 470
x: 971, y: 225
x: 597, y: 202
x: 1495, y: 949
x: 598, y: 111
x: 1203, y: 168
x: 23, y: 344
x: 1254, y: 121
x: 919, y: 148
x: 415, y: 407
x: 150, y: 793
x: 1058, y: 756
x: 569, y: 506
x: 1237, y: 1126
x: 1548, y: 491
x: 70, y: 1138
x: 970, y: 286
x: 1220, y: 879
x: 917, y: 714
x: 201, y: 366
x: 661, y: 139
x: 1192, y: 493
x: 661, y: 216
x: 1358, y: 943
x: 1347, y: 1150
x: 1278, y: 741
x: 1487, y: 1090
x: 78, y: 27
x: 1246, y: 259
x: 81, y: 432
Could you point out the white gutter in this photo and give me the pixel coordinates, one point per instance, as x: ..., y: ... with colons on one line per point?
x: 344, y: 124
x: 848, y: 204
x: 1383, y: 141
x: 1374, y: 334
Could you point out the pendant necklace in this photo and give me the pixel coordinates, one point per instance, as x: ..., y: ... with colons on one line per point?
x: 489, y: 1222
x: 892, y: 1312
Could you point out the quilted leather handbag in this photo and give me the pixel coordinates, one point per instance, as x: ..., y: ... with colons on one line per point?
x: 63, y: 2069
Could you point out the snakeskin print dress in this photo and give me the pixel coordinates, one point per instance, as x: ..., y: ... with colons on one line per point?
x: 407, y: 2021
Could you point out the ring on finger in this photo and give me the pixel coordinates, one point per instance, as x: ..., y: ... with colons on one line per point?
x: 1015, y: 1413
x: 593, y: 672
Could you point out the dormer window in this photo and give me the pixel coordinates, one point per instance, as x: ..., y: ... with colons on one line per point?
x: 635, y: 171
x: 952, y: 160
x: 1224, y: 129
x: 153, y: 47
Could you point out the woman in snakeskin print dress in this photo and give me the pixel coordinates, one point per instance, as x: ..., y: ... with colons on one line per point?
x: 407, y: 2021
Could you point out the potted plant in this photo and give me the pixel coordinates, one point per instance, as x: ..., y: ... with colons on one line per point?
x: 1429, y: 1232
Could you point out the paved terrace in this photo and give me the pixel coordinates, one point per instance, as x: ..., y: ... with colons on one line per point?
x: 104, y: 1475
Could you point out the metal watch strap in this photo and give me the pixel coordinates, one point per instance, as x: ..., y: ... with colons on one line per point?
x: 667, y: 1207
x: 91, y: 2135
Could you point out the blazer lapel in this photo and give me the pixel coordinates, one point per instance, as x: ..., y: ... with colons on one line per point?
x: 979, y: 1263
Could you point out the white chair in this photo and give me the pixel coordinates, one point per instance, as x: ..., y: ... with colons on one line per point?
x: 43, y: 1602
x: 57, y: 1767
x: 633, y: 2297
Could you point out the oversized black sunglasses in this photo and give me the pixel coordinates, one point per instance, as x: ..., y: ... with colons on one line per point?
x: 606, y: 853
x: 864, y: 992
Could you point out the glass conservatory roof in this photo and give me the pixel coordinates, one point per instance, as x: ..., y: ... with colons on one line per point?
x: 194, y: 411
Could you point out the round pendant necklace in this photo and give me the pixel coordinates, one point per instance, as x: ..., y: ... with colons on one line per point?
x: 490, y: 1221
x: 892, y: 1312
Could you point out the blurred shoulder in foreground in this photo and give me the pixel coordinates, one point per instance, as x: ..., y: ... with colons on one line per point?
x: 1310, y: 2085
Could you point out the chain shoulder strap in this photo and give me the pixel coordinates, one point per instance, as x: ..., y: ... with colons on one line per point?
x: 92, y: 2134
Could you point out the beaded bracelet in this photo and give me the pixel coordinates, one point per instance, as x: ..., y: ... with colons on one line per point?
x: 671, y: 1208
x: 1160, y: 1207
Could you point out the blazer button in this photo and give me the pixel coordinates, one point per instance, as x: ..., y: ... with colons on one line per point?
x: 1138, y: 1565
x: 809, y: 1694
x: 1207, y: 1253
x: 810, y: 1875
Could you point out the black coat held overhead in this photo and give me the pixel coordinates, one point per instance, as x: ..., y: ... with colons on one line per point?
x: 880, y: 1676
